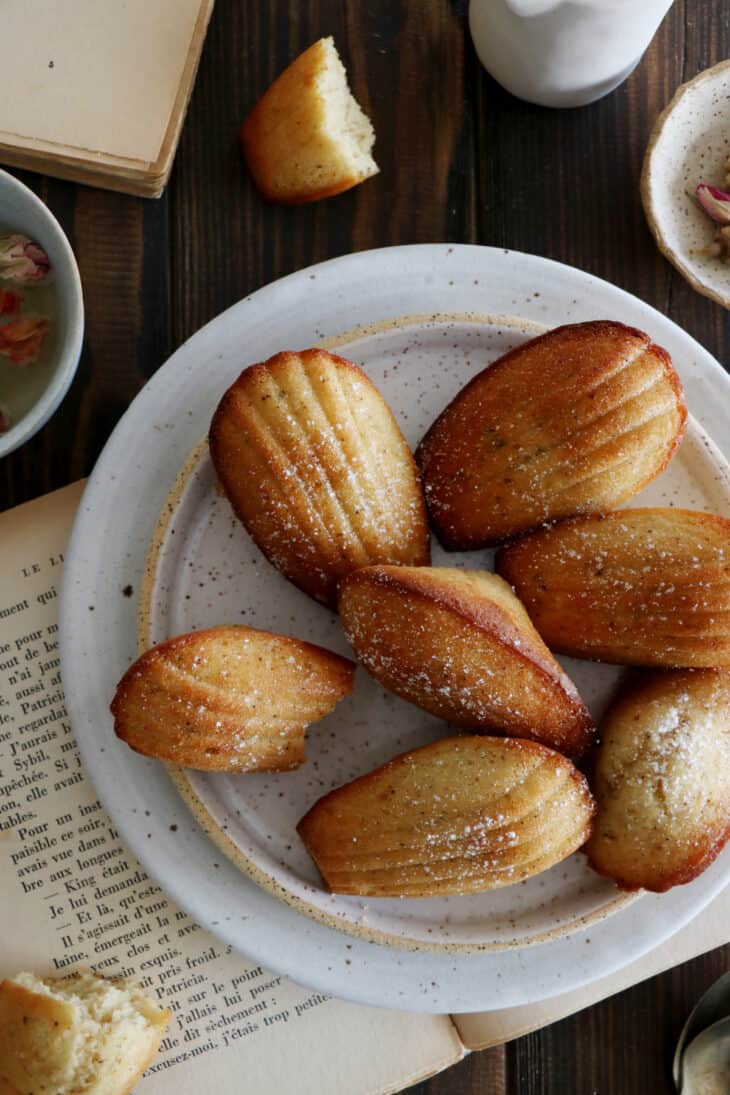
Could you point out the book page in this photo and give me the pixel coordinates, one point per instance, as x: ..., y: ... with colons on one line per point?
x: 102, y: 76
x: 73, y: 895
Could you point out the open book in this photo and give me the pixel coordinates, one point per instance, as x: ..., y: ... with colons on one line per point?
x: 73, y: 895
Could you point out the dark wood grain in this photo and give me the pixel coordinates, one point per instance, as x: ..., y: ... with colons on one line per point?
x: 225, y: 242
x: 461, y: 160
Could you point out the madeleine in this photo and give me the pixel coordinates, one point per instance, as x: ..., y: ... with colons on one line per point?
x: 229, y: 699
x: 307, y: 137
x: 575, y: 421
x: 315, y: 466
x: 637, y: 587
x: 457, y: 817
x: 81, y: 1033
x: 662, y: 780
x: 459, y: 644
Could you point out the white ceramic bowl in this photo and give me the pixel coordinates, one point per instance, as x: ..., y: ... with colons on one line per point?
x: 689, y: 144
x: 22, y: 211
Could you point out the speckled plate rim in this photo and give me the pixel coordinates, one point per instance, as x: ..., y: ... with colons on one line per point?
x: 107, y: 548
x: 646, y: 183
x: 180, y: 776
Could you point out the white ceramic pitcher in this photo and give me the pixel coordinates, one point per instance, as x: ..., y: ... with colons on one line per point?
x: 563, y: 53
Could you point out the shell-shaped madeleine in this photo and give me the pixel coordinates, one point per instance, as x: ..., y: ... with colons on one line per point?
x: 575, y: 421
x: 459, y: 816
x: 229, y: 699
x: 637, y: 587
x: 316, y: 468
x: 459, y: 644
x: 662, y: 780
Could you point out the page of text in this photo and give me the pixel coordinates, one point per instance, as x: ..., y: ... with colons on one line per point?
x: 74, y: 896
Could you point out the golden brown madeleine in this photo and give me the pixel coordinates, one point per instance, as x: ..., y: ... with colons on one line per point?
x: 315, y: 466
x: 307, y: 137
x: 229, y: 699
x: 637, y: 587
x: 662, y: 780
x: 459, y: 644
x: 456, y: 817
x: 575, y: 421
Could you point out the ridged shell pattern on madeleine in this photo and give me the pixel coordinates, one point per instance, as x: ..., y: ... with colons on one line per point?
x: 575, y: 421
x: 459, y: 644
x: 457, y: 817
x: 228, y: 699
x: 662, y: 780
x: 318, y: 471
x: 637, y: 587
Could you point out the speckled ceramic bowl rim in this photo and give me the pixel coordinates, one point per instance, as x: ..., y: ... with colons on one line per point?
x: 180, y: 776
x: 69, y: 281
x: 646, y: 182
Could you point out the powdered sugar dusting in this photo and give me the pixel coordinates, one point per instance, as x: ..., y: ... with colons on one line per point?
x: 663, y: 779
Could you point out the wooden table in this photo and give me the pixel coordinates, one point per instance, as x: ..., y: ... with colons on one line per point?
x: 460, y: 161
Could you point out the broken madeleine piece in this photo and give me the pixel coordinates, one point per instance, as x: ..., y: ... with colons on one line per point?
x: 229, y: 699
x: 575, y: 421
x: 457, y: 817
x: 662, y: 780
x: 81, y: 1033
x: 307, y: 137
x: 459, y: 644
x: 637, y: 587
x: 315, y: 466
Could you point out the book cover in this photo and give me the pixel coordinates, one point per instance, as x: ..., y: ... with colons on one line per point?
x: 101, y: 95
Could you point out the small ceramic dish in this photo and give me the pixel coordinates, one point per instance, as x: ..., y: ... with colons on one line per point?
x: 689, y: 144
x: 33, y: 393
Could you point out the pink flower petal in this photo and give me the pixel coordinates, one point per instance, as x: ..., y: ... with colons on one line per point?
x: 10, y: 302
x: 716, y: 203
x: 22, y: 260
x: 22, y: 339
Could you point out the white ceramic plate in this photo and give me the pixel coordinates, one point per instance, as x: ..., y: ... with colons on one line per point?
x: 107, y: 553
x: 204, y: 570
x: 689, y: 144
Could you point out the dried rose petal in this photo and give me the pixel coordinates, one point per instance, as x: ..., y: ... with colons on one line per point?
x: 5, y: 419
x: 10, y: 302
x: 22, y: 260
x: 22, y: 339
x: 716, y: 203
